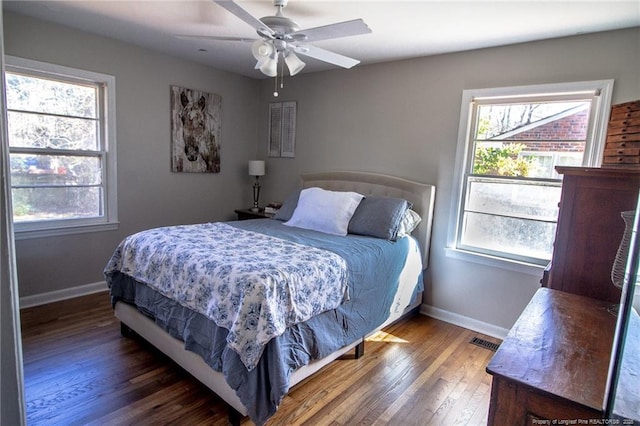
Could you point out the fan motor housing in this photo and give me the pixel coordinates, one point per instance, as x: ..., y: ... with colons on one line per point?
x: 281, y: 25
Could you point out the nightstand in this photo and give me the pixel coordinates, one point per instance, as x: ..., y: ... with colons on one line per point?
x: 244, y: 214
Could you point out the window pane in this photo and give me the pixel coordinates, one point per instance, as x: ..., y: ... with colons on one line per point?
x: 45, y: 131
x: 517, y: 237
x: 500, y: 159
x: 529, y: 139
x: 564, y: 121
x: 48, y: 96
x: 45, y: 170
x: 544, y: 163
x: 532, y: 200
x: 34, y: 204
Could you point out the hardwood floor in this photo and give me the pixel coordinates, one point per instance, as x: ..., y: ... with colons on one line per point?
x: 80, y: 371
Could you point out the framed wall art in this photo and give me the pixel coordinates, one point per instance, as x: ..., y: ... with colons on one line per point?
x: 195, y: 131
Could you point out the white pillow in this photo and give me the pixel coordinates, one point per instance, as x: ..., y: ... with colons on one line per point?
x: 325, y: 211
x: 408, y: 223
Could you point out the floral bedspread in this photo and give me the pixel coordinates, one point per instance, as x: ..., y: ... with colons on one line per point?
x: 252, y: 284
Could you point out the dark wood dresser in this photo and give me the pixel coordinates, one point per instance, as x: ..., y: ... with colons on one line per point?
x: 590, y: 229
x: 553, y: 364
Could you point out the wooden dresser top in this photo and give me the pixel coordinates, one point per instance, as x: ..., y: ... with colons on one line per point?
x: 561, y: 344
x: 602, y: 172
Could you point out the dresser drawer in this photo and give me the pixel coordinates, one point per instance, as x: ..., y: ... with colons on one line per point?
x: 619, y: 159
x: 625, y: 122
x: 623, y: 130
x: 624, y: 144
x: 625, y: 107
x: 634, y: 137
x: 614, y: 152
x: 624, y: 115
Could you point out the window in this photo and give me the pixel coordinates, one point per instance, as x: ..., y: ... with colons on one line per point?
x: 61, y: 133
x: 510, y: 141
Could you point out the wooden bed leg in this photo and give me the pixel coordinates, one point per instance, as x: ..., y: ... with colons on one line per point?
x: 360, y: 349
x: 125, y: 331
x: 235, y: 418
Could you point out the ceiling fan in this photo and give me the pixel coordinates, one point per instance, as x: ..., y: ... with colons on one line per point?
x: 282, y: 38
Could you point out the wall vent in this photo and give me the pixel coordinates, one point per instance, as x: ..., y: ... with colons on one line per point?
x: 485, y: 344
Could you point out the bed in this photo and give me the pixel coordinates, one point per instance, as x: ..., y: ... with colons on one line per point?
x: 252, y: 374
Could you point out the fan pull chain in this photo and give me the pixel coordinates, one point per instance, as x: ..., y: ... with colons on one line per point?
x: 275, y: 90
x: 282, y: 73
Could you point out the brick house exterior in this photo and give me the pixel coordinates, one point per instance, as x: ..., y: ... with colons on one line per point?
x: 559, y: 133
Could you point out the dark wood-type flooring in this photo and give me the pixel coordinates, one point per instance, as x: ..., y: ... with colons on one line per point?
x: 80, y: 371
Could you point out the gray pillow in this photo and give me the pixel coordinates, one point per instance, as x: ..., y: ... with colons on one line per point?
x: 379, y: 217
x: 285, y: 212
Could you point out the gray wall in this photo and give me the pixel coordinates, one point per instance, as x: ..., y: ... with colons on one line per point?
x: 402, y: 118
x: 149, y: 194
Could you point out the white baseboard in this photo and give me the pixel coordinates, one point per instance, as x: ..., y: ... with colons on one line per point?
x: 58, y: 295
x: 466, y: 322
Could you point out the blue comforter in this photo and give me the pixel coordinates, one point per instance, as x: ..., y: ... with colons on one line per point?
x: 374, y: 267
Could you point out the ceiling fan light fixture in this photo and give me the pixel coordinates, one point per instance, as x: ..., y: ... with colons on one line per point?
x: 262, y: 50
x: 294, y: 63
x: 269, y: 66
x: 280, y: 35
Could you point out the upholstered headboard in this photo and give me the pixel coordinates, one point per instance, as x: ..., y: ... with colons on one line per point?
x: 421, y: 195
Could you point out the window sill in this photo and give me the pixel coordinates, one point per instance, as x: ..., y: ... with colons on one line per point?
x: 496, y: 262
x: 61, y: 231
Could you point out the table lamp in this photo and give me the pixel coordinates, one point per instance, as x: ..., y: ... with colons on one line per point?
x: 256, y: 168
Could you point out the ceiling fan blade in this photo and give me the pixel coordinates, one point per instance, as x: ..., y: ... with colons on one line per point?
x: 205, y: 37
x: 245, y: 16
x: 337, y: 30
x: 326, y: 56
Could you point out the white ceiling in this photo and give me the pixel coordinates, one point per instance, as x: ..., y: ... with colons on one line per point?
x: 401, y: 29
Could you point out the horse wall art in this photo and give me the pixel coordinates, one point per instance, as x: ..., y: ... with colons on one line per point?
x: 195, y: 131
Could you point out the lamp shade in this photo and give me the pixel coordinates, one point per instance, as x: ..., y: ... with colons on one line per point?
x: 268, y: 66
x: 261, y: 50
x: 256, y: 168
x: 267, y: 57
x: 294, y: 63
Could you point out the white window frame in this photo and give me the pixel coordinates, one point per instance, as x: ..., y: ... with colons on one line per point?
x: 592, y: 157
x: 107, y: 117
